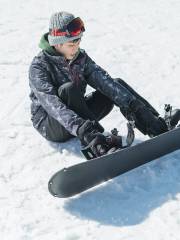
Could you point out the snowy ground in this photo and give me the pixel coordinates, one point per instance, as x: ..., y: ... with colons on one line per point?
x: 138, y: 41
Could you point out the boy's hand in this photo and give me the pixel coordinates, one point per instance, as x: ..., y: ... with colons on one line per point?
x: 90, y: 134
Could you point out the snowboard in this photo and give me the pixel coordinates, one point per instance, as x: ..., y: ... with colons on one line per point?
x: 77, y: 178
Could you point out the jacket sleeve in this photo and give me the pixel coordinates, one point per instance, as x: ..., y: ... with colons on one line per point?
x: 46, y: 93
x: 99, y: 79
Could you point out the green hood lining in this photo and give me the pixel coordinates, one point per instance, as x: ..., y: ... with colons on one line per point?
x: 44, y: 45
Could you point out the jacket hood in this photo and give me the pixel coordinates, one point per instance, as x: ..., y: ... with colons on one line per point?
x: 44, y: 45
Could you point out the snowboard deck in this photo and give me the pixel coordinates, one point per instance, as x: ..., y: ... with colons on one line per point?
x: 77, y: 178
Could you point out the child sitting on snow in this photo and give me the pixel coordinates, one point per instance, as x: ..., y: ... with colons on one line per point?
x: 58, y: 78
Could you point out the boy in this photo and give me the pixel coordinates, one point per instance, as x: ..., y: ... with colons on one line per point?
x: 58, y: 77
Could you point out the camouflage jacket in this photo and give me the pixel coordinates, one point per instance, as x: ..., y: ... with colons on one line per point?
x: 49, y: 70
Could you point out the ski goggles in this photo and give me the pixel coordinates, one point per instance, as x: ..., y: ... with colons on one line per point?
x: 73, y: 29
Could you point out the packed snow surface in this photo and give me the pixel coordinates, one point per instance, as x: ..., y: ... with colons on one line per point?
x: 138, y: 41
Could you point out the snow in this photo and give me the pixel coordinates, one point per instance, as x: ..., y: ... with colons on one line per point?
x: 137, y: 41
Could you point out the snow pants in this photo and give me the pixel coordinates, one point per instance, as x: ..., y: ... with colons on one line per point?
x: 93, y: 106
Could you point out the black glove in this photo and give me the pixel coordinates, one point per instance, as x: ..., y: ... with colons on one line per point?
x: 90, y: 134
x: 88, y: 130
x: 146, y: 120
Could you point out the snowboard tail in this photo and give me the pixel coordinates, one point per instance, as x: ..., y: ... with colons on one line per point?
x: 80, y: 177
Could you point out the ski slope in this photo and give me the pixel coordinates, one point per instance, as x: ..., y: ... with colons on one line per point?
x: 138, y: 41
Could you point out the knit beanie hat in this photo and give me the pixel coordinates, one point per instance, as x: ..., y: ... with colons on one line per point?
x: 60, y: 20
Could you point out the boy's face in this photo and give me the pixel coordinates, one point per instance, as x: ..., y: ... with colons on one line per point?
x: 68, y: 49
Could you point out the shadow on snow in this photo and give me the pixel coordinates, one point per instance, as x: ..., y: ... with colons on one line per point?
x: 130, y: 198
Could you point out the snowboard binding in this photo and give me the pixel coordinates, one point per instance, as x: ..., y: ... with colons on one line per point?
x: 113, y: 142
x: 171, y: 117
